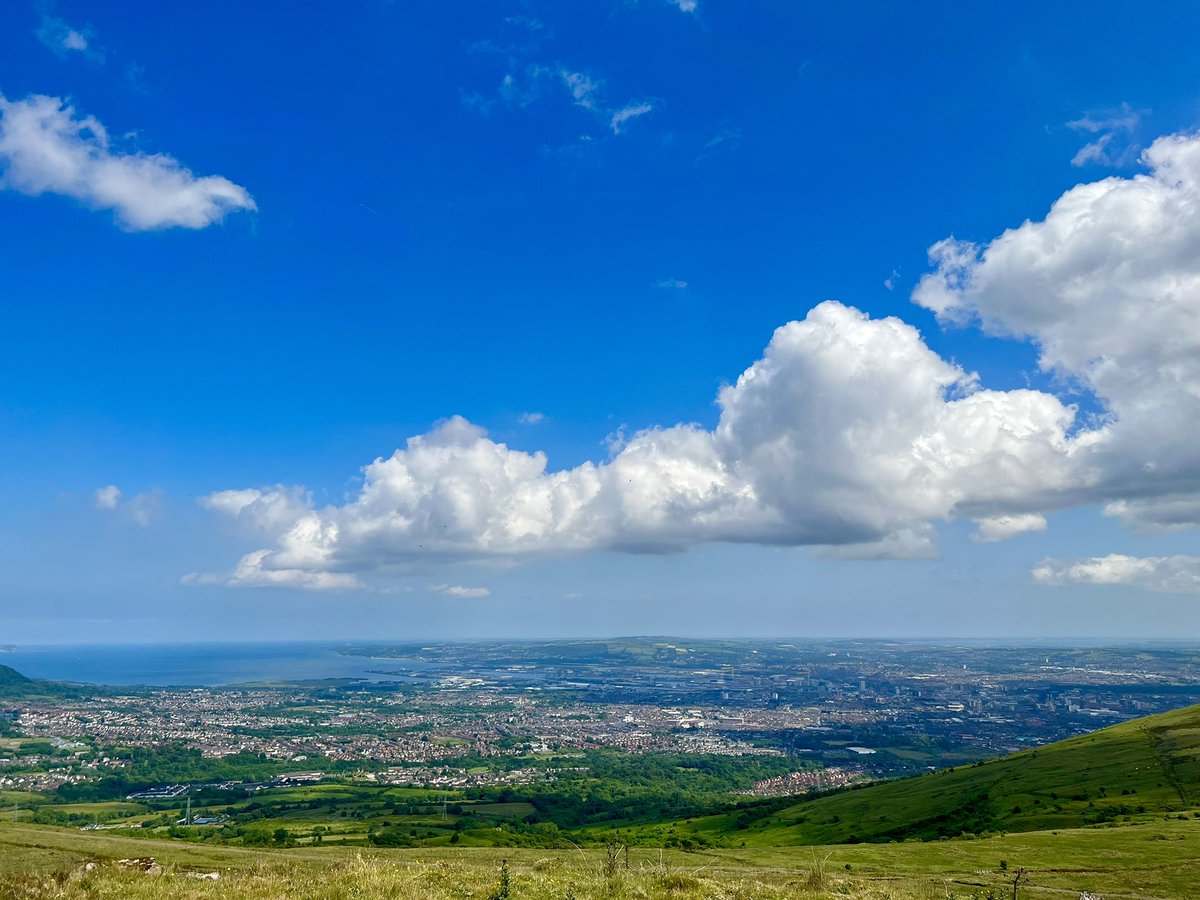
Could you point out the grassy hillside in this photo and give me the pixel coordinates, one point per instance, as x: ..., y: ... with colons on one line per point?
x: 10, y: 678
x: 1158, y: 860
x: 15, y: 686
x: 1142, y: 768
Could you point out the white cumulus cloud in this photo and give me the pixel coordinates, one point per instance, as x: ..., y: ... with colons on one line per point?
x: 46, y: 148
x: 1163, y: 574
x: 848, y: 431
x: 1107, y: 287
x: 848, y: 434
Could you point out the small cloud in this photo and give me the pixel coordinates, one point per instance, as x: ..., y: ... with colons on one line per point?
x: 520, y: 90
x: 526, y: 22
x: 583, y: 88
x: 460, y: 592
x: 107, y: 497
x: 46, y: 148
x: 1123, y: 118
x: 687, y: 6
x: 671, y: 284
x: 726, y: 140
x: 62, y: 39
x: 628, y: 113
x: 723, y: 137
x: 473, y: 100
x: 1094, y: 152
x: 142, y: 508
x: 1001, y: 528
x: 891, y: 281
x: 531, y: 418
x: 1113, y: 144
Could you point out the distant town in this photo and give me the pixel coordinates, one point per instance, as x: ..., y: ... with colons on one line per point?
x: 507, y: 713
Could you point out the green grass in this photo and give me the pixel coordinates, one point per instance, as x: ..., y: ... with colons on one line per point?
x: 505, y: 810
x: 102, y: 808
x: 1151, y: 860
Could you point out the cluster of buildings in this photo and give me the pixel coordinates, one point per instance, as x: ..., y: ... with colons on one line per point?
x: 843, y: 707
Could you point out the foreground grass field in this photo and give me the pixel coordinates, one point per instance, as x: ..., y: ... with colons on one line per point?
x: 1153, y: 860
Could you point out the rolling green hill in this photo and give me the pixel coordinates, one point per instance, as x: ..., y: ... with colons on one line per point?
x: 10, y: 678
x: 1144, y: 767
x: 15, y: 686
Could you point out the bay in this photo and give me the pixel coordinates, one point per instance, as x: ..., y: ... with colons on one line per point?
x: 196, y: 665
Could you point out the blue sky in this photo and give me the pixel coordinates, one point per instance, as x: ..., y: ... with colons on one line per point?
x: 305, y: 237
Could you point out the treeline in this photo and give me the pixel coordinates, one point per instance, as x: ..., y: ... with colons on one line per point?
x: 620, y: 787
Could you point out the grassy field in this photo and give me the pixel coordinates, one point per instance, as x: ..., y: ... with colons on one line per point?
x: 1152, y: 860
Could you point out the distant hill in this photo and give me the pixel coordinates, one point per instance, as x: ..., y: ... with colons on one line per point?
x: 15, y: 686
x: 10, y: 677
x: 1144, y: 766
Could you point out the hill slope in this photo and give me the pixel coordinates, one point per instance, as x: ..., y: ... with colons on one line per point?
x: 15, y: 686
x: 1141, y: 767
x: 11, y: 678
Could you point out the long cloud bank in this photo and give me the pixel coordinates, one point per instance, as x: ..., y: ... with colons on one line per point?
x: 849, y: 432
x: 1163, y: 574
x: 46, y: 148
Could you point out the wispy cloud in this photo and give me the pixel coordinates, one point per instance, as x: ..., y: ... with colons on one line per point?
x: 531, y: 418
x: 460, y: 592
x: 142, y: 508
x: 687, y: 6
x: 583, y: 88
x: 727, y: 139
x: 627, y: 113
x: 1113, y: 130
x: 672, y: 284
x: 530, y: 75
x: 46, y: 148
x: 64, y: 40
